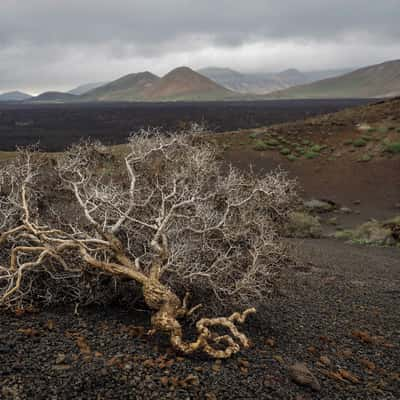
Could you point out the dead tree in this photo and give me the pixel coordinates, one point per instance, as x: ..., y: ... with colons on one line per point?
x: 175, y: 221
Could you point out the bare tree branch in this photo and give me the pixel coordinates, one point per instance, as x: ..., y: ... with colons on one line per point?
x: 173, y: 222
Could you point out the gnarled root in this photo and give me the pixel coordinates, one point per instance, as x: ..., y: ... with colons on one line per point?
x: 165, y: 320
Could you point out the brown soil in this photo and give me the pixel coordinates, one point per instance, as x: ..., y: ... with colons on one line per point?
x: 376, y: 185
x: 339, y: 172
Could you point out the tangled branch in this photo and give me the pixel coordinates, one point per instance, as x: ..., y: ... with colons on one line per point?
x: 173, y: 222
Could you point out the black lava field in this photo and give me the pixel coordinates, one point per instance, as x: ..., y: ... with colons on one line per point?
x: 56, y: 126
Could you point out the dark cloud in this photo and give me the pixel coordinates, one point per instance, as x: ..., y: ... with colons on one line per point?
x: 47, y: 43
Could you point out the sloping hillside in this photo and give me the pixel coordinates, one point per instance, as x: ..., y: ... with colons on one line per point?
x: 54, y: 97
x: 14, y: 96
x: 185, y: 84
x: 86, y: 87
x: 128, y: 88
x: 381, y: 80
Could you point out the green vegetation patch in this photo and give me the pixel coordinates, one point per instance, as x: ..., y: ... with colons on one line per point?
x: 372, y: 233
x: 285, y: 151
x: 392, y: 147
x: 272, y: 142
x: 383, y: 129
x: 365, y: 158
x: 260, y: 145
x: 367, y: 138
x: 359, y: 142
x: 316, y: 148
x: 310, y: 155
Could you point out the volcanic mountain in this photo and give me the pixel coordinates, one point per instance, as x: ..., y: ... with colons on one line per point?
x: 381, y: 80
x: 185, y: 84
x: 180, y: 84
x: 128, y: 88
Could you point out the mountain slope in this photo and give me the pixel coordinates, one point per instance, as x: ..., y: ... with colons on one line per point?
x: 14, y: 96
x: 128, y: 88
x: 185, y: 84
x: 54, y: 97
x: 82, y: 89
x: 381, y: 80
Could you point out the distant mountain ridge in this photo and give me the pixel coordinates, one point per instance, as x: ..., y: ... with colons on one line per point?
x: 216, y: 84
x: 180, y: 84
x: 15, y: 96
x: 263, y: 83
x: 380, y: 80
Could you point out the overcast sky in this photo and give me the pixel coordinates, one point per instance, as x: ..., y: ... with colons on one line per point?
x: 58, y: 44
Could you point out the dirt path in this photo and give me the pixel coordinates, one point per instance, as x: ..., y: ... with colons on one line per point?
x: 340, y: 317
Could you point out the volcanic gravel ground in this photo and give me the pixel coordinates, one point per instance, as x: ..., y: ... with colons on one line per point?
x: 339, y: 314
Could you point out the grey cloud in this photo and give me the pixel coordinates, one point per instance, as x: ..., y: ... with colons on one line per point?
x: 45, y: 43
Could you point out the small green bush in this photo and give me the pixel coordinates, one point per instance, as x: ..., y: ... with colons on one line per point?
x: 291, y: 157
x: 272, y: 142
x: 366, y: 138
x: 285, y: 151
x: 254, y: 135
x: 348, y: 142
x: 383, y: 129
x: 371, y: 233
x: 260, y: 145
x: 316, y: 148
x: 303, y: 225
x: 365, y: 158
x: 343, y: 234
x: 359, y: 142
x: 392, y: 147
x: 310, y: 155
